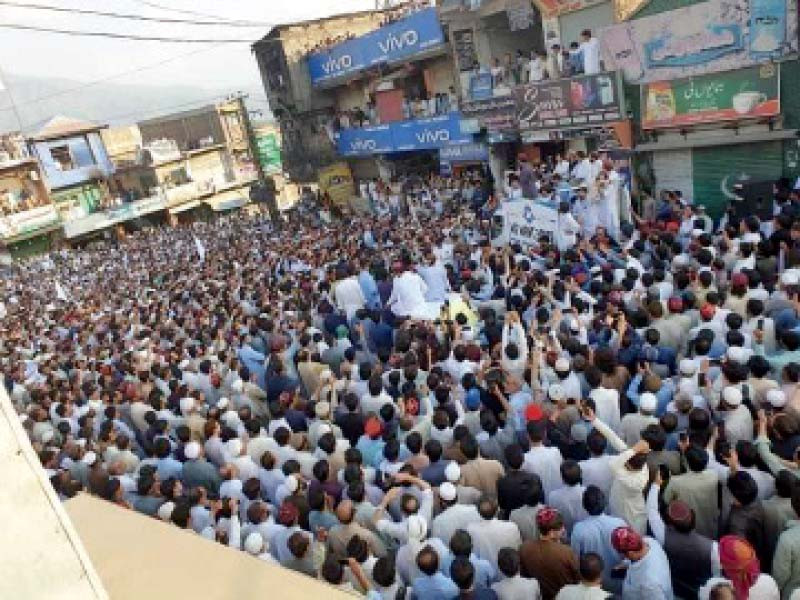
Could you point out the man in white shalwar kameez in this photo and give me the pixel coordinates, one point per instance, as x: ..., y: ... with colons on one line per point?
x: 408, y: 297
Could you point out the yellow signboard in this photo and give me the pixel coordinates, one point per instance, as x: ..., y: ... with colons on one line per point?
x: 337, y: 181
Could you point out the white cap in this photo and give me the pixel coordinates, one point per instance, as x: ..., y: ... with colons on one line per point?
x: 234, y: 447
x: 187, y: 404
x: 254, y: 543
x: 790, y: 278
x: 191, y: 450
x: 562, y: 364
x: 556, y: 392
x: 732, y: 396
x: 165, y: 511
x: 447, y: 491
x: 89, y: 458
x: 452, y: 472
x: 223, y: 403
x: 648, y: 402
x: 47, y: 435
x: 238, y: 386
x: 325, y: 374
x: 776, y: 398
x: 688, y: 367
x: 737, y: 354
x: 291, y: 484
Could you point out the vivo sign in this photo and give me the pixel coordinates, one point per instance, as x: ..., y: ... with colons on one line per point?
x: 433, y: 137
x: 396, y: 42
x: 422, y: 134
x: 337, y: 65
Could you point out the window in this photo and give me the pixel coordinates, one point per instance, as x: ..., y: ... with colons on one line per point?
x: 62, y: 157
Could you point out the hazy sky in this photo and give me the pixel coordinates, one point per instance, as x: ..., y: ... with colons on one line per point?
x: 87, y: 59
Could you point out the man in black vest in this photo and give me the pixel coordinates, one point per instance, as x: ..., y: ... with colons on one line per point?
x: 690, y: 554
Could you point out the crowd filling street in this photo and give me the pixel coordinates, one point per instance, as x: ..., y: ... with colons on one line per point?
x: 402, y: 407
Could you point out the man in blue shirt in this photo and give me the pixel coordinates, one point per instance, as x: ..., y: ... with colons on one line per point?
x: 432, y: 584
x: 593, y: 534
x: 369, y: 287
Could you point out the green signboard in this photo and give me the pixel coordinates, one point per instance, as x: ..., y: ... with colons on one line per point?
x: 269, y: 153
x: 729, y: 96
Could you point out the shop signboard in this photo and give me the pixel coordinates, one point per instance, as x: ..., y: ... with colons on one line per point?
x: 428, y: 134
x: 403, y: 136
x: 729, y: 96
x: 586, y: 100
x: 714, y: 36
x: 337, y: 181
x: 464, y: 153
x: 493, y: 114
x: 365, y: 140
x: 397, y: 42
x: 28, y: 220
x: 269, y: 153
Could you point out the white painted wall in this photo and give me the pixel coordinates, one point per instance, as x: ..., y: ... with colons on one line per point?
x: 42, y: 556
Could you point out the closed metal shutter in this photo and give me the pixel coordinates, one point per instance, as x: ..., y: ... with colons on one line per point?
x: 673, y: 171
x: 718, y: 169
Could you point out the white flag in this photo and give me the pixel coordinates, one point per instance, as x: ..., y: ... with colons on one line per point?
x: 61, y: 294
x: 201, y: 250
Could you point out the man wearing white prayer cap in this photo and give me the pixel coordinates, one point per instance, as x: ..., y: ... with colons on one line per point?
x: 454, y: 515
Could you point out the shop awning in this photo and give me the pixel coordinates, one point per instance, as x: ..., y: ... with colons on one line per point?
x: 184, y: 207
x: 696, y: 141
x: 222, y: 204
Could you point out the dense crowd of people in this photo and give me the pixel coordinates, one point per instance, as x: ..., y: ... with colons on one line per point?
x: 396, y: 406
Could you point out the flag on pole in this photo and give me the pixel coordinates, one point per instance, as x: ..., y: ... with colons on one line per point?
x: 201, y: 250
x: 61, y: 293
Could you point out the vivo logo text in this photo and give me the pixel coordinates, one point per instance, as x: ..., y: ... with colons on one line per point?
x: 334, y: 65
x: 395, y: 43
x: 363, y: 145
x: 433, y: 137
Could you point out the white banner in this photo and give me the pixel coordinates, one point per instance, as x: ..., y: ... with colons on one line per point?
x: 28, y: 220
x: 526, y: 221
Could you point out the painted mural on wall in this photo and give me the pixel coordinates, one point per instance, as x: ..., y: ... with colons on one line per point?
x: 718, y: 35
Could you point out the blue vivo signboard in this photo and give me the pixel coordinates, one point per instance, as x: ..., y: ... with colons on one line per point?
x: 416, y: 33
x: 420, y: 134
x: 366, y: 140
x: 464, y: 153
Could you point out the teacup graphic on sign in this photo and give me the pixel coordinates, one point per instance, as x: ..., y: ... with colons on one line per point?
x: 745, y: 102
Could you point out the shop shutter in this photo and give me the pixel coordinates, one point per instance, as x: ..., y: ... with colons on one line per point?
x: 673, y: 171
x: 717, y: 169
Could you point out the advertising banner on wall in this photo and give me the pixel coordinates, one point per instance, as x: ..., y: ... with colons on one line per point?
x: 574, y: 102
x: 527, y: 221
x: 269, y: 153
x: 493, y: 114
x: 717, y: 35
x: 337, y: 181
x: 464, y: 153
x: 399, y: 41
x: 27, y: 221
x: 418, y: 134
x: 729, y: 96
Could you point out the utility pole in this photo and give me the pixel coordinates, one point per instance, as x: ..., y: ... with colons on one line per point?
x: 265, y: 188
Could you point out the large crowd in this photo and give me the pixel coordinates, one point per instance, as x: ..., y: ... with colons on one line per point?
x: 401, y: 408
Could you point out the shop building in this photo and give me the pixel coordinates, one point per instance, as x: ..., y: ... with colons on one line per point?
x: 712, y: 116
x: 29, y: 222
x: 75, y: 164
x: 385, y: 100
